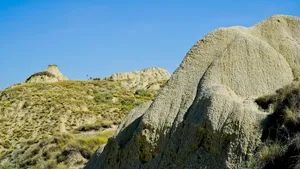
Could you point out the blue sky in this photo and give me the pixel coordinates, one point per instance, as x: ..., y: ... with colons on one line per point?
x: 100, y: 38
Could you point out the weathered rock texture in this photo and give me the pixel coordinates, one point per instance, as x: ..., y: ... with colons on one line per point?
x: 205, y: 116
x: 51, y: 74
x: 149, y: 78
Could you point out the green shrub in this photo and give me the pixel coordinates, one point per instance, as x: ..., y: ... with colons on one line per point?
x: 127, y: 101
x: 283, y: 122
x: 281, y: 134
x: 144, y: 93
x: 50, y: 164
x: 5, y: 104
x: 7, y: 165
x: 265, y: 101
x: 44, y: 73
x: 87, y: 145
x: 62, y: 166
x: 268, y: 153
x: 106, y: 123
x: 103, y: 97
x: 88, y: 127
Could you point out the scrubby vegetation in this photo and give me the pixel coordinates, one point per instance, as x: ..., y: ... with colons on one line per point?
x: 43, y: 73
x: 60, y: 125
x: 281, y: 136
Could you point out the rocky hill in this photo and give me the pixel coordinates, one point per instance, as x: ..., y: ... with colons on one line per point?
x: 51, y: 74
x: 51, y: 122
x: 149, y: 78
x: 207, y: 115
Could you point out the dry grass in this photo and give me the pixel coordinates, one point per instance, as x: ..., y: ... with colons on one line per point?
x: 267, y: 154
x: 43, y: 125
x: 281, y: 137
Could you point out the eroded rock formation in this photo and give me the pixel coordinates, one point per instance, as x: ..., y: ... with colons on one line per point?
x: 51, y: 74
x: 205, y: 116
x: 150, y: 78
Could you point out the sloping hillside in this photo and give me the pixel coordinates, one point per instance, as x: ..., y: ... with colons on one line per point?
x: 60, y: 125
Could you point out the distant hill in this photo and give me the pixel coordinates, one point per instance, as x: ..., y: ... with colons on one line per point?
x: 51, y: 74
x: 144, y: 79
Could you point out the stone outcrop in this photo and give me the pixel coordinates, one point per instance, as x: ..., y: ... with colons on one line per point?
x: 149, y: 78
x: 205, y: 116
x: 51, y: 74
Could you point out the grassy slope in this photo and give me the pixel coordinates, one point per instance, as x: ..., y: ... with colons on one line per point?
x: 60, y: 125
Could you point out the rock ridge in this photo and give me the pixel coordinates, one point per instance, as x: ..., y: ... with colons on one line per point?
x: 149, y: 78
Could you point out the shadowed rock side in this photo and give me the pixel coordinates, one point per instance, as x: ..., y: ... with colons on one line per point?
x: 205, y: 116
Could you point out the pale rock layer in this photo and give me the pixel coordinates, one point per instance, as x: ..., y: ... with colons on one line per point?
x: 51, y: 74
x: 149, y: 78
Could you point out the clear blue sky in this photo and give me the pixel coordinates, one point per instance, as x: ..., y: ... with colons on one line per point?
x: 99, y: 38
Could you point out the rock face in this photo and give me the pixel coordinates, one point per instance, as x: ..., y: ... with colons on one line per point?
x: 149, y: 78
x: 205, y: 116
x: 51, y: 74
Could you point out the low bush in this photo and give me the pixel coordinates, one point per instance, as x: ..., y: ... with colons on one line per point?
x: 44, y: 73
x: 104, y: 97
x: 95, y: 126
x: 267, y: 154
x: 281, y: 134
x: 144, y: 93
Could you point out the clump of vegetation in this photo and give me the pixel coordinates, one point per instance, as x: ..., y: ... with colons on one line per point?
x: 95, y: 126
x: 144, y: 93
x: 267, y: 154
x: 103, y: 97
x: 283, y: 123
x: 43, y: 73
x: 265, y: 101
x: 281, y: 135
x: 5, y: 104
